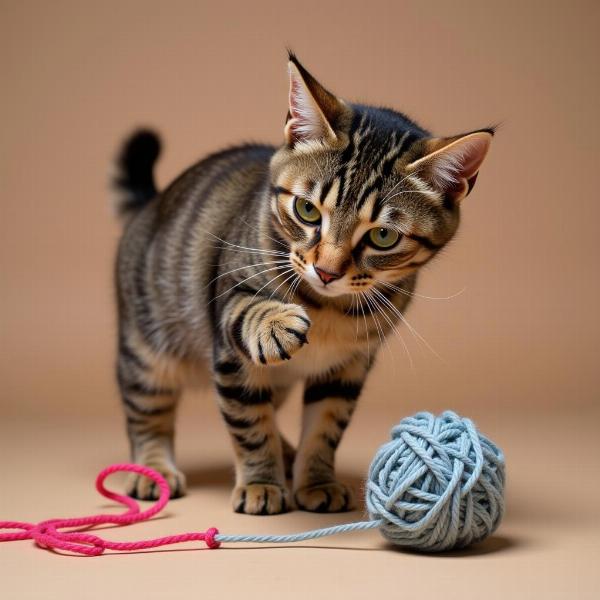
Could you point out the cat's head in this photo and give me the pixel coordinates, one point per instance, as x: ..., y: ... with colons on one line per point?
x: 363, y: 194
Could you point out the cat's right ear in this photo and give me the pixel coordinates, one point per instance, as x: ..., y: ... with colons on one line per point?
x: 313, y: 111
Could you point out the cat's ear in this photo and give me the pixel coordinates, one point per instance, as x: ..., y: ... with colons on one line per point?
x: 451, y: 165
x: 313, y: 111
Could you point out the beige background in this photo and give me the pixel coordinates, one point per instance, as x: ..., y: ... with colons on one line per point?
x: 518, y: 347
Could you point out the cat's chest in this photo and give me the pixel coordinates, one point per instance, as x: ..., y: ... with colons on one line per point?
x: 333, y: 339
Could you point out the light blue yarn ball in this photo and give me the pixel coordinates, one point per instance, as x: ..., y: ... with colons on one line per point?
x: 437, y: 485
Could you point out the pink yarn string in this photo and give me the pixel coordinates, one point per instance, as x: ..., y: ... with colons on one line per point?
x: 47, y: 535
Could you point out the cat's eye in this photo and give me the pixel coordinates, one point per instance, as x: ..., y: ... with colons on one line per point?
x: 306, y: 211
x: 382, y: 238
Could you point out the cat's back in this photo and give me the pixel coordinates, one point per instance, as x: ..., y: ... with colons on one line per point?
x: 203, y: 198
x: 210, y: 191
x: 222, y: 178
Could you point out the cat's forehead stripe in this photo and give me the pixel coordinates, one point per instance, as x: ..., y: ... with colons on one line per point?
x: 366, y: 210
x: 368, y: 153
x: 329, y: 196
x: 325, y: 190
x: 349, y: 156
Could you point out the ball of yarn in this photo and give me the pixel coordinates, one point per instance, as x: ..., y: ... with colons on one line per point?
x: 437, y: 485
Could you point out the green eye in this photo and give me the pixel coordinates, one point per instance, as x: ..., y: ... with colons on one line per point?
x: 383, y: 238
x: 306, y: 211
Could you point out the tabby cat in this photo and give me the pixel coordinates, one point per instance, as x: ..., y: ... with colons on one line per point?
x: 256, y: 251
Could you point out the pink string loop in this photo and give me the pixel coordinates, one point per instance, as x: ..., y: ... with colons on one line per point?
x: 46, y: 534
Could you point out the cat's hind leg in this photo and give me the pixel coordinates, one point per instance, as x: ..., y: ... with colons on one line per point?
x: 149, y: 405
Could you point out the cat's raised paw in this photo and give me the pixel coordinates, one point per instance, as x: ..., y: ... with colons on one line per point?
x: 261, y: 499
x: 281, y: 333
x: 143, y: 488
x: 326, y: 498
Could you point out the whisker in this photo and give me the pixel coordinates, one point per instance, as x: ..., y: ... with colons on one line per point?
x: 294, y: 274
x: 244, y: 281
x: 289, y: 291
x: 271, y: 262
x: 397, y: 331
x: 362, y: 310
x: 415, y: 333
x: 349, y: 309
x: 415, y: 294
x: 411, y: 330
x: 355, y: 299
x: 271, y: 281
x: 426, y: 192
x: 265, y: 235
x: 372, y: 314
x: 387, y: 196
x: 383, y: 299
x: 239, y: 246
x: 231, y: 244
x: 232, y: 248
x: 378, y: 325
x: 295, y: 287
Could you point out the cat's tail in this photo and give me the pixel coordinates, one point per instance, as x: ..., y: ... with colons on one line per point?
x: 134, y: 180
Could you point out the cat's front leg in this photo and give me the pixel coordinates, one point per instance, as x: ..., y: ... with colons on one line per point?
x: 257, y: 332
x: 328, y: 406
x: 249, y: 414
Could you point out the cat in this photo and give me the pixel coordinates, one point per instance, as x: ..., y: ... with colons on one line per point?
x: 269, y: 265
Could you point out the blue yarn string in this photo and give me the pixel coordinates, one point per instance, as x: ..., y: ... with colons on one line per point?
x: 299, y: 537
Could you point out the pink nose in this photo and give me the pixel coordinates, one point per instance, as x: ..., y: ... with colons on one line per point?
x: 327, y: 277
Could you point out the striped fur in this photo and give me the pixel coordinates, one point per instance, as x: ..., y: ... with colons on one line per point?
x: 221, y: 272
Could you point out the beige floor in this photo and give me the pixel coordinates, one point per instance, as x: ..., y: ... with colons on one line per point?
x: 547, y: 547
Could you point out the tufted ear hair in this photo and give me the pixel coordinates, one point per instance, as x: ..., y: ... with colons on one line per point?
x: 451, y: 165
x: 313, y: 111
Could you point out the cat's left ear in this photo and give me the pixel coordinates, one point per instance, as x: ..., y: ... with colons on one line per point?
x: 313, y: 111
x: 451, y: 165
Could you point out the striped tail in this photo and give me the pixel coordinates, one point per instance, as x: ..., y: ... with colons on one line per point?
x: 134, y: 181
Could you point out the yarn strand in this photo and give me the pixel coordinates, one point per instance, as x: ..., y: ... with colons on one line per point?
x: 46, y: 534
x: 299, y: 537
x: 437, y: 485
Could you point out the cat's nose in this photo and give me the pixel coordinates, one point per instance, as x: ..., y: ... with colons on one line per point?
x: 326, y: 276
